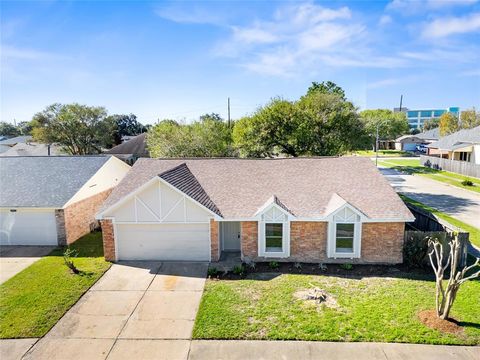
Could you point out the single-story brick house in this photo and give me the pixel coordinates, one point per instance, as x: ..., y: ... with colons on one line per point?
x: 52, y: 200
x: 296, y: 209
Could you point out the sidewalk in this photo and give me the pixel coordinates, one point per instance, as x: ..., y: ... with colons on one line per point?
x: 313, y: 350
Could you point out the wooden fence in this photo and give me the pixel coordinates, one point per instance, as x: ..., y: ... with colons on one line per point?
x: 460, y: 167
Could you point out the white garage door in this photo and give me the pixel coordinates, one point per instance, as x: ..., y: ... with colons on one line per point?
x: 28, y: 227
x: 180, y: 242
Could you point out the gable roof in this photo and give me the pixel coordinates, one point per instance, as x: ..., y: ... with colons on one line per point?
x: 239, y: 187
x: 462, y: 137
x: 432, y: 134
x: 44, y: 181
x: 137, y: 145
x: 31, y: 149
x: 16, y: 140
x: 182, y: 178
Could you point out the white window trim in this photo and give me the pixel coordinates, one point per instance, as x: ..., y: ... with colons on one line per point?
x: 285, y: 229
x: 357, y: 235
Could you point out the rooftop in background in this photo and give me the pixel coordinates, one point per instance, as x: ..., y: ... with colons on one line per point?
x: 416, y: 118
x: 458, y: 139
x: 58, y: 177
x: 432, y: 134
x: 130, y: 150
x: 16, y: 140
x: 239, y: 187
x: 32, y: 149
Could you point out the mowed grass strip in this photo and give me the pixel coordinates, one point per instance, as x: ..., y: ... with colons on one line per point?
x: 473, y: 231
x: 368, y: 309
x: 32, y: 301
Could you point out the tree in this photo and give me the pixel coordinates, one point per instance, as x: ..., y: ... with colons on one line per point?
x: 448, y: 124
x: 208, y: 137
x: 317, y: 124
x: 326, y: 87
x: 445, y: 296
x: 469, y: 119
x: 390, y: 124
x: 7, y: 129
x: 126, y: 125
x: 431, y: 124
x: 79, y: 129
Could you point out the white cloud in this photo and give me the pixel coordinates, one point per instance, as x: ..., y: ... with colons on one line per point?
x: 12, y: 52
x: 442, y: 27
x: 385, y: 20
x: 190, y: 15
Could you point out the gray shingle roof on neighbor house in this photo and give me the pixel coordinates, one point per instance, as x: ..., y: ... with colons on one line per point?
x: 16, y: 140
x: 433, y: 134
x: 44, y: 181
x: 451, y: 142
x: 137, y: 145
x: 304, y: 186
x: 32, y: 149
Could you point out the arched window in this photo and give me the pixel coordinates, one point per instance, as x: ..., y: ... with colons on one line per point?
x: 274, y: 233
x: 345, y: 234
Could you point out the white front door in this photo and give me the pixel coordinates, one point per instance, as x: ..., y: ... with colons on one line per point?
x: 230, y: 235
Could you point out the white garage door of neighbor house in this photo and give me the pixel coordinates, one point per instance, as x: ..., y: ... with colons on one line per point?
x: 28, y: 227
x: 181, y: 242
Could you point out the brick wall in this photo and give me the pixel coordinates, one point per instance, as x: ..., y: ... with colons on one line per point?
x: 80, y: 216
x: 214, y: 240
x: 108, y: 240
x: 60, y: 223
x: 249, y: 239
x: 382, y: 242
x: 308, y: 241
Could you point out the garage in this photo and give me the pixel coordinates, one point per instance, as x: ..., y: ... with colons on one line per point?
x: 179, y: 242
x: 27, y: 227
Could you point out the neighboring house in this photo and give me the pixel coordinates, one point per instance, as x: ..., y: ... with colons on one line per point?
x: 50, y: 200
x: 295, y: 209
x: 130, y: 150
x: 16, y: 140
x: 32, y: 149
x: 463, y: 145
x: 408, y: 143
x: 429, y: 136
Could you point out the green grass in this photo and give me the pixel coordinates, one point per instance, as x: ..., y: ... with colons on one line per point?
x: 383, y: 153
x: 32, y: 301
x: 369, y: 309
x: 474, y: 232
x: 413, y: 166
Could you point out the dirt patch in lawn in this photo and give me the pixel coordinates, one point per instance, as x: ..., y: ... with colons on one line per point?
x: 430, y: 319
x: 316, y: 297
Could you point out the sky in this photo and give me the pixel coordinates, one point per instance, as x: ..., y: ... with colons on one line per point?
x: 181, y: 59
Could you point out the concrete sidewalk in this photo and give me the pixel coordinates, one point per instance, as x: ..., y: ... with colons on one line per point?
x: 311, y: 350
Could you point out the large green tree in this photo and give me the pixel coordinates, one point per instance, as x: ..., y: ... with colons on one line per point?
x: 326, y: 87
x: 207, y: 137
x: 318, y: 124
x: 7, y: 129
x: 431, y: 124
x: 78, y: 129
x: 126, y: 125
x: 469, y: 119
x: 448, y: 124
x: 390, y: 124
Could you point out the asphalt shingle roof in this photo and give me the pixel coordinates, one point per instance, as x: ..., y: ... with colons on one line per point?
x: 44, y: 181
x: 137, y: 145
x: 239, y: 187
x: 464, y: 136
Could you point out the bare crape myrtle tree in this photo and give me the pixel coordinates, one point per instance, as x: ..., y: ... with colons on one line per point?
x: 445, y: 295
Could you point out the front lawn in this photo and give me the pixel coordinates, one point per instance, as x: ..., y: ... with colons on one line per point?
x: 383, y: 309
x: 32, y: 301
x: 474, y: 233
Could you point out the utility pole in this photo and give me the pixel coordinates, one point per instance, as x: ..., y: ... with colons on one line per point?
x: 228, y: 112
x: 376, y: 146
x: 401, y: 100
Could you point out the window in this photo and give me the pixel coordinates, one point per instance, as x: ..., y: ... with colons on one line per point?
x: 464, y: 156
x: 273, y: 237
x: 344, y: 235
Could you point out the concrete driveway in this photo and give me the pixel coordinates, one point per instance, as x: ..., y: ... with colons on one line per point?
x: 136, y: 310
x: 15, y: 258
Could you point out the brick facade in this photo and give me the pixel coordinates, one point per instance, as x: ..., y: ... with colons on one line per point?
x: 108, y: 240
x: 249, y: 239
x: 79, y: 217
x: 308, y: 241
x: 382, y: 242
x: 60, y: 224
x: 214, y: 240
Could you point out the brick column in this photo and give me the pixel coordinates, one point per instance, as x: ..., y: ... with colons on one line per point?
x: 214, y: 240
x: 249, y: 240
x: 60, y: 223
x: 108, y: 240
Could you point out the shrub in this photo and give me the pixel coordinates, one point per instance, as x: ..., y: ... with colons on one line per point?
x: 273, y: 265
x: 212, y: 272
x: 346, y: 266
x: 239, y: 270
x: 415, y: 250
x: 68, y: 254
x: 467, y: 183
x: 322, y: 267
x: 297, y: 266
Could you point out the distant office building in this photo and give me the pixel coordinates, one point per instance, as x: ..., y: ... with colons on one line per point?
x: 416, y: 118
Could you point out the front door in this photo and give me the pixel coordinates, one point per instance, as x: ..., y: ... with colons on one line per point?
x: 230, y: 234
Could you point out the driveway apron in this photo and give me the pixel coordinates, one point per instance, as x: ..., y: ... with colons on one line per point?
x: 136, y: 310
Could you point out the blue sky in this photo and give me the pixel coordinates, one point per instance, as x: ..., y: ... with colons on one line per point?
x: 182, y: 59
